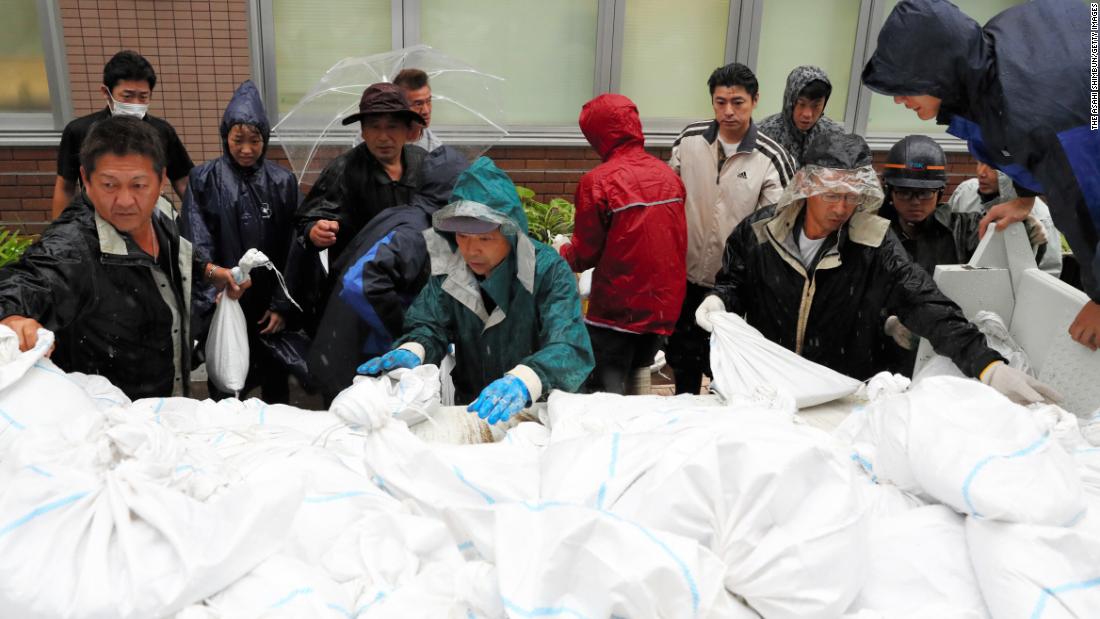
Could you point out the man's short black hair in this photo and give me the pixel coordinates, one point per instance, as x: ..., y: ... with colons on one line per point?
x: 120, y: 136
x: 411, y: 79
x: 734, y: 74
x: 815, y: 90
x: 129, y: 66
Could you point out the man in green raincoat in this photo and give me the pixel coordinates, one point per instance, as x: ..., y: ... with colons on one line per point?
x: 509, y: 304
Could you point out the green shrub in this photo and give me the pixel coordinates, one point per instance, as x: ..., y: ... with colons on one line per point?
x: 12, y: 246
x: 545, y: 220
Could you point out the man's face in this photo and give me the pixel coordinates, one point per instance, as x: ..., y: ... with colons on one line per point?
x: 385, y: 135
x: 124, y: 190
x: 914, y: 205
x: 827, y: 212
x: 129, y: 91
x: 925, y: 106
x: 245, y: 145
x: 483, y: 252
x: 420, y: 100
x: 807, y: 112
x: 987, y: 180
x: 733, y: 108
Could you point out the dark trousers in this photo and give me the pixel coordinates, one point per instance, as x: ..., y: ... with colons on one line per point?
x: 618, y: 354
x: 688, y: 350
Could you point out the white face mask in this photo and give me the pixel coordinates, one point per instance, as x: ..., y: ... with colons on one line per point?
x: 118, y: 108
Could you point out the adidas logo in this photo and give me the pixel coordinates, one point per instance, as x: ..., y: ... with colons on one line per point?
x: 743, y: 175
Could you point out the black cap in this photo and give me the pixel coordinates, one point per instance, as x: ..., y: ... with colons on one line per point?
x: 384, y: 98
x: 916, y: 161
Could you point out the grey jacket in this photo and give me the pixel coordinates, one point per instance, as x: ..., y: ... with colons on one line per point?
x: 781, y: 128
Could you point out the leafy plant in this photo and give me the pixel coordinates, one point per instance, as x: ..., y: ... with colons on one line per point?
x: 12, y: 246
x: 545, y: 220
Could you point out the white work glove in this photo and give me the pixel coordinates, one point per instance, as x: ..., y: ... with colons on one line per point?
x: 1018, y: 386
x: 559, y: 241
x: 901, y: 334
x: 1036, y: 233
x: 712, y: 303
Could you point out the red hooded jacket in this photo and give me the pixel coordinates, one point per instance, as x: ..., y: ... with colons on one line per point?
x: 630, y: 225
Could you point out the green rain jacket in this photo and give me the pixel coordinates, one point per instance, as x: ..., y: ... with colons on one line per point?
x: 535, y: 332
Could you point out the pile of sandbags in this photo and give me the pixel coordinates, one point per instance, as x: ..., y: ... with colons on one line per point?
x: 1012, y: 534
x: 939, y: 499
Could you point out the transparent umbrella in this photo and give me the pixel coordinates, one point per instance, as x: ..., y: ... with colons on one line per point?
x: 467, y: 107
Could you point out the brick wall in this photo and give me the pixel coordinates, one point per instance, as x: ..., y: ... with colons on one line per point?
x: 26, y: 186
x: 199, y: 49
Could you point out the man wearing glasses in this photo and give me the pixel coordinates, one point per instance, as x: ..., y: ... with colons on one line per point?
x: 815, y: 272
x: 914, y: 176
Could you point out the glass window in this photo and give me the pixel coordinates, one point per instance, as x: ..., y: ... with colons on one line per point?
x: 794, y: 33
x: 668, y: 51
x: 888, y: 117
x: 545, y: 50
x: 310, y: 37
x: 24, y: 86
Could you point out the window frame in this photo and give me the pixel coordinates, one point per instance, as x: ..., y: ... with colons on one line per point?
x: 743, y: 31
x: 44, y: 128
x: 611, y: 15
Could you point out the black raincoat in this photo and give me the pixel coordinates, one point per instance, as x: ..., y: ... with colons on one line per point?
x: 352, y: 190
x: 107, y: 301
x: 832, y: 313
x: 1017, y: 90
x: 781, y: 128
x: 229, y: 210
x: 377, y: 278
x: 944, y: 237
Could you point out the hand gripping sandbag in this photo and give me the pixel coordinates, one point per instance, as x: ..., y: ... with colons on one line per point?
x: 742, y: 360
x: 227, y: 345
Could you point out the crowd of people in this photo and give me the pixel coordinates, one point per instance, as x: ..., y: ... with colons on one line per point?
x: 784, y: 221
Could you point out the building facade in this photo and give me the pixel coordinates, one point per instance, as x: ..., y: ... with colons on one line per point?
x: 554, y: 56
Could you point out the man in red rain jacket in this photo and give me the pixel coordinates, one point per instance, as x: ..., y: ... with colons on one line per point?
x: 630, y: 227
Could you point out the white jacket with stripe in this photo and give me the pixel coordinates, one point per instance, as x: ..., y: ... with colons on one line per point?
x: 718, y: 199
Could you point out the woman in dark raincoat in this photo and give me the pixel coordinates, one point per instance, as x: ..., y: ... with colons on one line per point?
x: 1017, y: 90
x: 237, y: 202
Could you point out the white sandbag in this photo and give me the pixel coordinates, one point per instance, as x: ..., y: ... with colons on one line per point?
x: 227, y: 343
x: 1036, y: 571
x: 281, y: 587
x: 918, y: 562
x: 92, y: 507
x: 468, y: 590
x: 410, y: 395
x: 435, y: 476
x: 227, y: 347
x: 575, y: 559
x: 571, y: 415
x: 772, y: 499
x: 33, y: 391
x: 743, y: 359
x: 961, y: 443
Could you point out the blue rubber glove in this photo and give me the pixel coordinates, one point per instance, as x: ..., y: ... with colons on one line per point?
x: 397, y: 358
x: 503, y: 398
